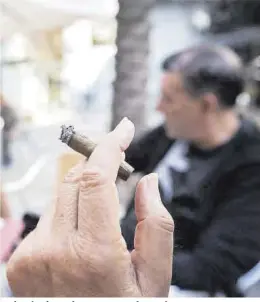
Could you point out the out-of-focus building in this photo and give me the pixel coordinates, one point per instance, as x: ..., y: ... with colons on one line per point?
x: 48, y: 49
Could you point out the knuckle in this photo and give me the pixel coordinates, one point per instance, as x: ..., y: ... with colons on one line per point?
x: 92, y: 178
x: 14, y: 268
x: 164, y: 222
x: 69, y: 179
x: 33, y: 255
x: 19, y: 265
x: 73, y: 174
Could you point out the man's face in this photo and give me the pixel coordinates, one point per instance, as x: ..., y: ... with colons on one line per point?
x: 183, y: 114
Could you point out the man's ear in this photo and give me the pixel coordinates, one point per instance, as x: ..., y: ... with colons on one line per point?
x: 209, y: 103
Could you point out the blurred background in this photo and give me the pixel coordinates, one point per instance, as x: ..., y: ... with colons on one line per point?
x: 89, y: 63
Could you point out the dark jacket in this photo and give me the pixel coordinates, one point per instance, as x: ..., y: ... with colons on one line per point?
x: 217, y: 225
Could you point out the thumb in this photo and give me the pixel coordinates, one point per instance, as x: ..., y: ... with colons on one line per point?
x: 148, y: 200
x: 153, y: 252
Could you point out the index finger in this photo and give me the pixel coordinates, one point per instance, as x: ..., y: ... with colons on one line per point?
x: 98, y: 207
x: 108, y: 154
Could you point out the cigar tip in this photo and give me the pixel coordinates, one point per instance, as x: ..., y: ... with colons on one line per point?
x: 66, y: 133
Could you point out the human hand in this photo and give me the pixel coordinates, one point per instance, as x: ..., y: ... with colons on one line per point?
x: 77, y: 249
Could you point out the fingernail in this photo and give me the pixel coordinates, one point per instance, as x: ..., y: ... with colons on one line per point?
x: 126, y: 131
x: 152, y: 182
x: 154, y: 204
x: 152, y: 191
x: 125, y: 124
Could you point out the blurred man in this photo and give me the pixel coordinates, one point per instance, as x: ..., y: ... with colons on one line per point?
x: 208, y: 161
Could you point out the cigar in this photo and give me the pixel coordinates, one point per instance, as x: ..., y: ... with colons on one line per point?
x: 85, y: 146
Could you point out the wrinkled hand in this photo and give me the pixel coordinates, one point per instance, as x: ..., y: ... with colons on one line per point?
x: 77, y: 248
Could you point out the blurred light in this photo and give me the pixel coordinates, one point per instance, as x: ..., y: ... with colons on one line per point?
x: 101, y: 8
x: 78, y: 37
x: 201, y: 19
x: 15, y: 48
x: 243, y: 100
